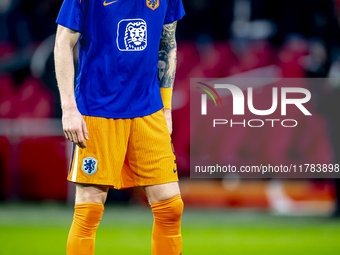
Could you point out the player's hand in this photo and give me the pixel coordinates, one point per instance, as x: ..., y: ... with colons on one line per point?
x: 74, y: 127
x: 168, y: 118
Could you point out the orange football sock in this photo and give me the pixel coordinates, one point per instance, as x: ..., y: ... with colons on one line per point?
x: 166, y: 234
x: 83, y: 230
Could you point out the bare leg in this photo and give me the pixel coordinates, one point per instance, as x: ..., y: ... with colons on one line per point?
x: 88, y: 193
x: 161, y: 192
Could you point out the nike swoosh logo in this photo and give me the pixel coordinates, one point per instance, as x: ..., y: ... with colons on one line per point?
x: 175, y: 171
x: 105, y: 3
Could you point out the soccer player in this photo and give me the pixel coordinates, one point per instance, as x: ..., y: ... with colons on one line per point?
x: 119, y: 117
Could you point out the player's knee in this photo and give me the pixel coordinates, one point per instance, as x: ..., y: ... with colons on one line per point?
x: 85, y: 223
x: 169, y: 210
x: 89, y: 213
x: 177, y: 210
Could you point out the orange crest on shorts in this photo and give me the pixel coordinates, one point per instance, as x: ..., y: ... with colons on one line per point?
x: 152, y: 4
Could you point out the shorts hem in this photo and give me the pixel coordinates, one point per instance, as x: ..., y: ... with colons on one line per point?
x: 125, y: 187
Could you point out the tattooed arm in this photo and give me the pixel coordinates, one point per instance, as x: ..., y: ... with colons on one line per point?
x: 167, y: 56
x: 167, y: 68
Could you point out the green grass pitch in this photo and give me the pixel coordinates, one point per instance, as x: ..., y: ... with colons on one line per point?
x: 43, y: 229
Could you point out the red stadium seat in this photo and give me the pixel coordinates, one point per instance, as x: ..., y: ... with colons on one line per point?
x: 7, y: 97
x: 4, y: 166
x: 290, y: 58
x: 34, y: 100
x: 217, y: 59
x: 43, y: 168
x: 257, y: 54
x: 30, y: 100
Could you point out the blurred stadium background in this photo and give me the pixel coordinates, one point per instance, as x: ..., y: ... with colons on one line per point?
x: 217, y: 38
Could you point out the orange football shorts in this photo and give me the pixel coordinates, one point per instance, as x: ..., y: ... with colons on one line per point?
x: 124, y: 153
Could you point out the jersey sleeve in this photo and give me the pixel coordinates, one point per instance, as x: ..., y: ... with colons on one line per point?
x: 73, y: 14
x: 174, y: 12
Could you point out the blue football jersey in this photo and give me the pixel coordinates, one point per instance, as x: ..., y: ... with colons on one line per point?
x: 118, y: 53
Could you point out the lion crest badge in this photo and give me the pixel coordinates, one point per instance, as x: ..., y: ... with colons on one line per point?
x: 152, y: 4
x: 132, y: 35
x: 90, y: 165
